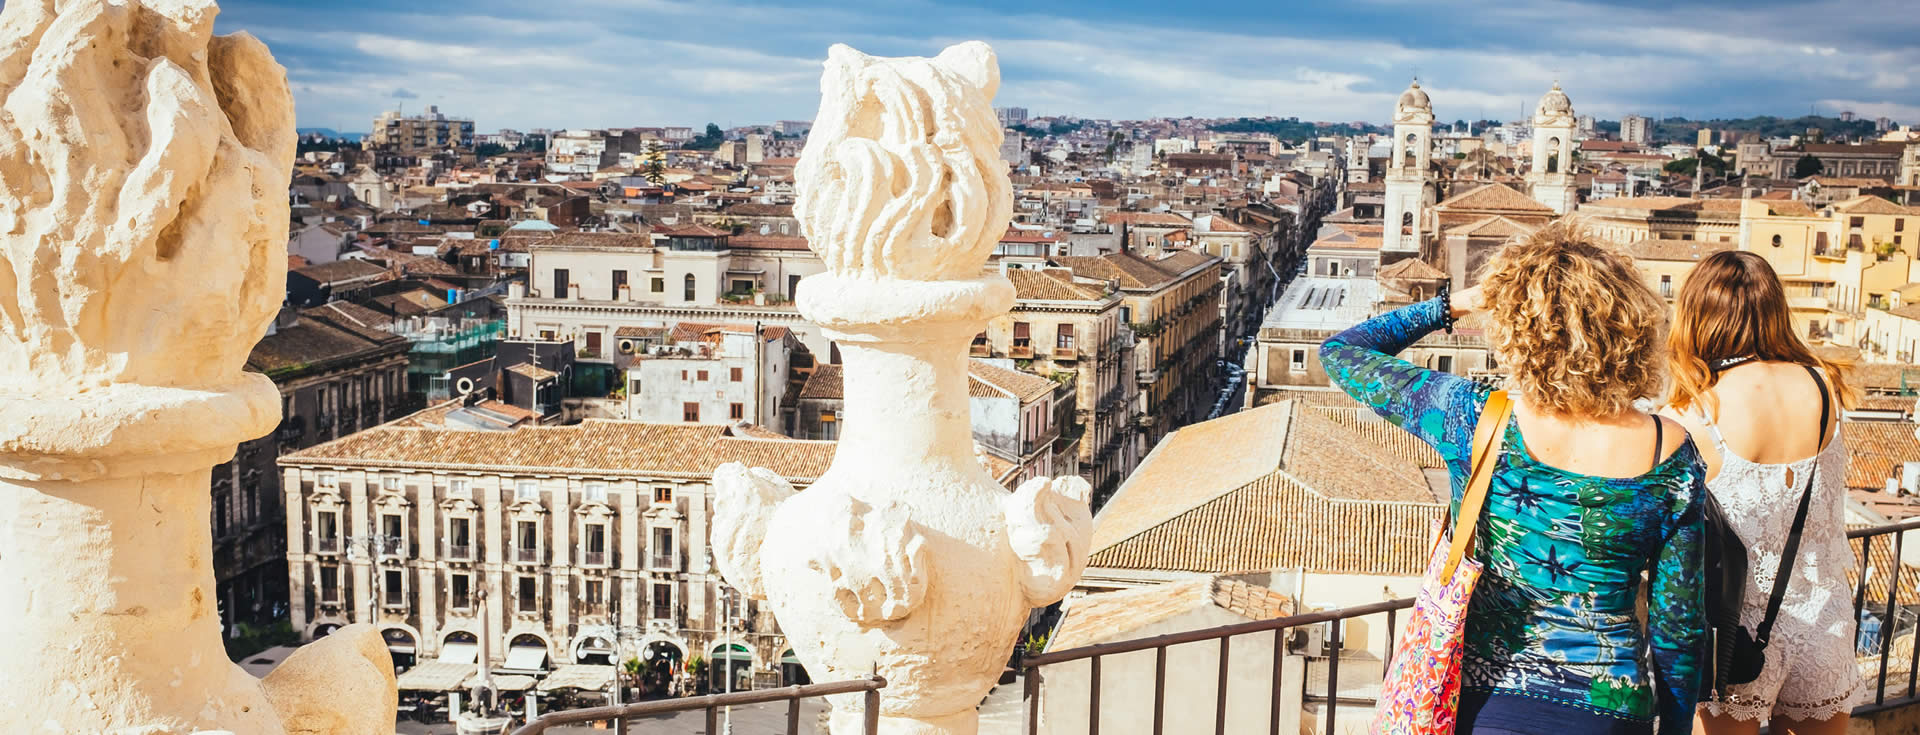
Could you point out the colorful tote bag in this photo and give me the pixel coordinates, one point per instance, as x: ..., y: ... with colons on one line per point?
x: 1421, y: 694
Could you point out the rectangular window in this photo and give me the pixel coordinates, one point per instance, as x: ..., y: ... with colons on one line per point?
x: 526, y: 490
x: 619, y: 283
x: 663, y: 551
x: 736, y: 411
x: 460, y: 592
x: 396, y: 584
x: 1666, y: 286
x: 390, y: 483
x: 529, y: 595
x: 393, y: 527
x: 1063, y: 337
x: 1857, y: 222
x: 735, y: 374
x: 596, y: 595
x: 596, y: 538
x: 1022, y: 336
x: 741, y: 287
x: 596, y: 492
x: 329, y: 584
x: 690, y: 412
x: 528, y: 536
x: 593, y: 343
x: 458, y: 488
x: 1298, y: 361
x: 663, y: 495
x: 326, y: 530
x: 560, y: 281
x: 662, y: 601
x: 702, y: 375
x: 460, y: 538
x: 1445, y: 363
x: 659, y: 285
x: 828, y: 416
x: 1899, y: 224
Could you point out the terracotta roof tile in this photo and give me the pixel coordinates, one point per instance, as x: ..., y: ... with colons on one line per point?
x: 1495, y: 226
x: 1192, y: 466
x: 1336, y: 460
x: 1048, y: 285
x: 1876, y: 449
x: 1872, y: 205
x: 1496, y: 197
x: 824, y: 383
x: 1025, y: 386
x: 1678, y: 250
x: 595, y: 445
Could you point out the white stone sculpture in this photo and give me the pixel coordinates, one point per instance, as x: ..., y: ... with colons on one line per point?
x: 143, y: 223
x: 905, y: 556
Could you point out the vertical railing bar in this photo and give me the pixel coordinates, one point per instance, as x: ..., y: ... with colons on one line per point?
x: 1860, y: 590
x: 1033, y: 700
x: 1093, y: 700
x: 1387, y: 660
x: 1220, y: 693
x: 1333, y: 670
x: 1159, y: 690
x: 793, y: 715
x: 620, y: 726
x: 872, y: 712
x: 1887, y: 624
x: 713, y: 721
x: 1279, y: 660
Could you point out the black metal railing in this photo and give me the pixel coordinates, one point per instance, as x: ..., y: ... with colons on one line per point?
x: 1277, y: 628
x: 1874, y: 555
x: 621, y: 714
x: 1886, y: 604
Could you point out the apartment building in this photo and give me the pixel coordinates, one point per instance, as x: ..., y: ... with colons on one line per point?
x: 714, y: 374
x: 336, y: 375
x: 1172, y: 307
x: 1076, y: 328
x: 582, y: 544
x: 424, y: 134
x: 587, y: 286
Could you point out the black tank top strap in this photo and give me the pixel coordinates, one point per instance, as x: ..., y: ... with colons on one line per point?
x: 1659, y: 441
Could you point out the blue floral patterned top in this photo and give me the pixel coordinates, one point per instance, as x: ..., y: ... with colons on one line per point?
x: 1553, y: 616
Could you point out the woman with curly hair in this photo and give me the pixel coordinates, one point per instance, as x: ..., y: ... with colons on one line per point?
x: 1588, y: 495
x: 1743, y: 377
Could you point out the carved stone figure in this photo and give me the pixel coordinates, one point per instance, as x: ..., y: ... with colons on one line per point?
x: 143, y: 224
x: 905, y: 556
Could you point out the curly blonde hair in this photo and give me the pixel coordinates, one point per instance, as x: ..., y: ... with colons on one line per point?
x: 1574, y: 323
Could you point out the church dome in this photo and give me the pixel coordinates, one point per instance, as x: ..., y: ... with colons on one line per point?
x: 1413, y: 105
x: 1554, y: 107
x: 1415, y: 97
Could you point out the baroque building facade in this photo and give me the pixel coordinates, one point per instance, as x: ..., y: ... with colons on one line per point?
x: 584, y: 544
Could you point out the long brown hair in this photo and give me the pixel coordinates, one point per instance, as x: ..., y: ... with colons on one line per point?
x: 1733, y: 305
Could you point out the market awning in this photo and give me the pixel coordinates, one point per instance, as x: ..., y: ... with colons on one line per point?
x: 526, y: 658
x: 435, y: 676
x: 503, y: 682
x: 578, y: 676
x: 460, y: 653
x: 734, y: 652
x: 789, y: 658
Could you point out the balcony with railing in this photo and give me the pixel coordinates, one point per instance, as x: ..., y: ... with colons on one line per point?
x: 526, y: 555
x: 459, y: 552
x: 1300, y: 673
x: 594, y: 558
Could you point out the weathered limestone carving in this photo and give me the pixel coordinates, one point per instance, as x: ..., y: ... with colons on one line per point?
x: 143, y: 226
x: 905, y: 556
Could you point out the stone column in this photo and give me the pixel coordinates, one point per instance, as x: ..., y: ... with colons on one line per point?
x: 905, y: 555
x: 143, y: 222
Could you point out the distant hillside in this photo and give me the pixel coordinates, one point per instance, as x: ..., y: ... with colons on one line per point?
x: 1291, y: 128
x: 1680, y: 129
x: 330, y: 133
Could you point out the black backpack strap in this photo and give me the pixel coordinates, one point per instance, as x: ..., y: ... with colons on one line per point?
x: 1765, y: 632
x: 1659, y: 441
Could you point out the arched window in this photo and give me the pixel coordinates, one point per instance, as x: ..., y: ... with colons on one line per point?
x: 689, y: 295
x: 1408, y: 163
x: 1406, y: 220
x: 1553, y: 163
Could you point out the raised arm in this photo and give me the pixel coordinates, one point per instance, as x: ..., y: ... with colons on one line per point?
x: 1438, y: 407
x: 1676, y: 620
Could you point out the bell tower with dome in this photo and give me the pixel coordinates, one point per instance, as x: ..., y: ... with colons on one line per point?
x: 1409, y: 176
x: 1551, y: 181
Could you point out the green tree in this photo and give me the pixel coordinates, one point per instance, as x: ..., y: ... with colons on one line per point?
x: 1807, y: 166
x: 489, y: 150
x: 655, y: 170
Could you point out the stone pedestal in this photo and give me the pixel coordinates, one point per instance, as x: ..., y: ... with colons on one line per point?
x: 905, y: 557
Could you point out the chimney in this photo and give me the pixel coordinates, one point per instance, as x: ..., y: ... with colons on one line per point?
x: 1910, y: 477
x: 1893, y: 486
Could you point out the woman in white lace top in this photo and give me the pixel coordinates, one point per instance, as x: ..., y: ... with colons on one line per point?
x: 1743, y: 377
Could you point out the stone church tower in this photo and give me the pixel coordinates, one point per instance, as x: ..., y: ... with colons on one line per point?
x: 1409, y: 176
x: 1551, y: 181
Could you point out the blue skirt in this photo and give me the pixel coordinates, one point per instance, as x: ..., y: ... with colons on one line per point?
x: 1488, y: 713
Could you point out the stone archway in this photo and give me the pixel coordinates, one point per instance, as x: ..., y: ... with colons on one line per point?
x: 403, y: 645
x: 593, y: 648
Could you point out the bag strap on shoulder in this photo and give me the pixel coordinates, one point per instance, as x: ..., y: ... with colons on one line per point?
x: 1792, y: 550
x: 1489, y: 436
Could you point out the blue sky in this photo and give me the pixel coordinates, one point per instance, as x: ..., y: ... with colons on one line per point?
x: 599, y: 63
